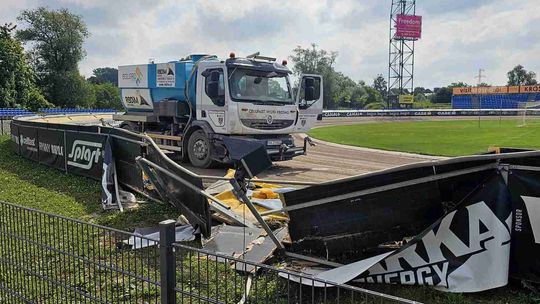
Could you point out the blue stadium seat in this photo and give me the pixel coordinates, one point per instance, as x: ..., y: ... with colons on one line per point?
x: 493, y: 101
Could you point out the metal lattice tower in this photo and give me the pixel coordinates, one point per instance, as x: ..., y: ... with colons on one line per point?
x: 401, y: 53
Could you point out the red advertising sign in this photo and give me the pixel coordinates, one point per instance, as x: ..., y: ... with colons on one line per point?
x: 408, y: 26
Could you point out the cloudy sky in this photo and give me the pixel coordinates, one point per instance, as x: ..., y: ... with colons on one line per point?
x: 459, y: 36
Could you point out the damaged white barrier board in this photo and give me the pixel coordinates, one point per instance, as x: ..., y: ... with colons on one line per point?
x: 146, y: 237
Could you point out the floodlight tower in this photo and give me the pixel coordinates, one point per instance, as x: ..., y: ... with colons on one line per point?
x: 401, y: 51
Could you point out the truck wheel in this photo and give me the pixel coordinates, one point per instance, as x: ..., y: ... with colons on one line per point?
x: 130, y: 126
x: 200, y: 150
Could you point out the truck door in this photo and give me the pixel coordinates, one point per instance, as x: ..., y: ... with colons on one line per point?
x: 310, y: 101
x: 211, y: 106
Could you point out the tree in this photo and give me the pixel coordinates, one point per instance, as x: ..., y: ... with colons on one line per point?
x: 316, y: 61
x: 420, y: 97
x: 107, y: 96
x: 17, y: 79
x: 72, y: 90
x: 419, y: 90
x: 458, y: 85
x: 519, y: 76
x: 442, y: 95
x: 343, y: 88
x: 104, y: 75
x: 373, y: 96
x: 56, y: 37
x: 380, y: 85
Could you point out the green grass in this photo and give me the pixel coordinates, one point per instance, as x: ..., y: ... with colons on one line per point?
x: 444, y: 138
x: 26, y: 183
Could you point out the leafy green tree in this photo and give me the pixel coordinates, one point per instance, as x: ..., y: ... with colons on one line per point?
x: 342, y: 90
x: 56, y: 38
x: 373, y: 95
x: 72, y: 90
x: 379, y: 84
x: 107, y: 96
x: 458, y: 85
x: 17, y: 79
x: 519, y: 76
x: 442, y: 95
x: 419, y: 90
x: 316, y: 61
x: 103, y: 75
x: 420, y: 97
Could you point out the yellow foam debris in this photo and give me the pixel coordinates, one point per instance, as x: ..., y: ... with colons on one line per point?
x: 262, y: 191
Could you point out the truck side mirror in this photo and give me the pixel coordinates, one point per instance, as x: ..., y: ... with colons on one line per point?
x: 309, y: 89
x: 212, y: 89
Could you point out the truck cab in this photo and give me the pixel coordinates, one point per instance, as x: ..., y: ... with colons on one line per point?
x: 194, y: 103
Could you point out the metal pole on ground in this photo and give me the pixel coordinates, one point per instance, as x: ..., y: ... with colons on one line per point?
x: 500, y: 111
x: 239, y: 193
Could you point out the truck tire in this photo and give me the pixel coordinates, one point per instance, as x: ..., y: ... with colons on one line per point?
x: 200, y: 150
x: 130, y: 126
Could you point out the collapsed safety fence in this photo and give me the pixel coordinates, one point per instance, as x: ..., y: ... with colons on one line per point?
x: 79, y: 149
x: 446, y: 218
x: 52, y: 259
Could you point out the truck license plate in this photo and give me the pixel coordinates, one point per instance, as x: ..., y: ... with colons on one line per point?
x: 274, y: 142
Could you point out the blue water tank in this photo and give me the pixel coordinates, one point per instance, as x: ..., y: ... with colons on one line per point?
x: 144, y: 85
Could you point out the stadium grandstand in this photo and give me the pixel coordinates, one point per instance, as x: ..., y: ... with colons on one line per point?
x: 495, y: 97
x: 75, y: 110
x: 10, y: 112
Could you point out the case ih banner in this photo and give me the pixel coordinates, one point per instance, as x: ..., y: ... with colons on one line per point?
x: 446, y: 112
x: 408, y: 26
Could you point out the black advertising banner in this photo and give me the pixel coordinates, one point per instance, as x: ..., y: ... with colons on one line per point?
x: 51, y: 148
x: 525, y: 255
x: 85, y: 153
x: 467, y: 250
x: 125, y: 152
x: 28, y: 142
x: 192, y: 204
x: 15, y: 137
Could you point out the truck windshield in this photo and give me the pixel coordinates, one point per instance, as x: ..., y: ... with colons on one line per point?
x: 259, y: 86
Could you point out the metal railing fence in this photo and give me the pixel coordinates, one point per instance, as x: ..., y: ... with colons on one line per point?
x: 47, y: 258
x: 207, y: 277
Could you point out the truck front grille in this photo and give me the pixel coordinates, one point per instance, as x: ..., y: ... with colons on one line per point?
x: 262, y: 124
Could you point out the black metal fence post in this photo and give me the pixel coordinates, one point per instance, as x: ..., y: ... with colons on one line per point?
x: 167, y: 261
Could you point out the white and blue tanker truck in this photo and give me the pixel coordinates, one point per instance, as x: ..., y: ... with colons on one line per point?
x: 189, y: 106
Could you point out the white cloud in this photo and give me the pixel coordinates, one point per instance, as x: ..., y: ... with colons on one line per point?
x: 458, y: 36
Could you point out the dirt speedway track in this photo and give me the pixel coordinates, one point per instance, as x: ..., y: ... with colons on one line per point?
x: 328, y: 161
